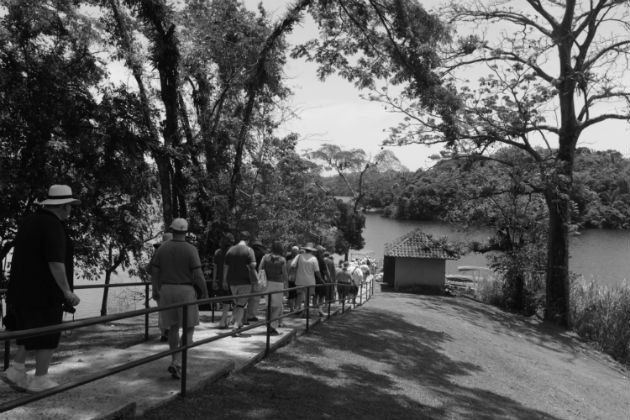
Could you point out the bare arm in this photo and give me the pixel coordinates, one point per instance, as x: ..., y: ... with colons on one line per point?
x: 155, y: 281
x: 226, y: 268
x: 200, y: 282
x: 58, y: 271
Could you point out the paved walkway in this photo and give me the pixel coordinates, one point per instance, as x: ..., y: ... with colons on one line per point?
x: 134, y: 391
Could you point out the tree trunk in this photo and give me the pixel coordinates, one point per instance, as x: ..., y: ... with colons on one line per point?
x: 162, y: 161
x: 557, y: 281
x: 108, y: 278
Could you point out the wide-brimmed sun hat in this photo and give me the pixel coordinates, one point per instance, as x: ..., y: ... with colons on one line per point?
x: 179, y: 225
x: 58, y: 195
x: 310, y: 246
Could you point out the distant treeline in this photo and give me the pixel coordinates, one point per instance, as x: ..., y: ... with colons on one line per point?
x: 600, y: 195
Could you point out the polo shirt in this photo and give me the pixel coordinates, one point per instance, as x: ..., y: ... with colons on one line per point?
x: 237, y: 259
x: 176, y: 259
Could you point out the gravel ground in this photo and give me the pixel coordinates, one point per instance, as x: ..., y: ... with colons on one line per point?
x: 405, y: 356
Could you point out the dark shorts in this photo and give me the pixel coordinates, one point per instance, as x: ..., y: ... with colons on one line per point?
x: 28, y: 318
x: 292, y: 293
x: 346, y: 289
x: 324, y: 291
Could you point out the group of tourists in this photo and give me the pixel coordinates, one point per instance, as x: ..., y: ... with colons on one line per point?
x: 40, y: 286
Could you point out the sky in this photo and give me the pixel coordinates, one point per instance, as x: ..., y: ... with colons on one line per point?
x: 334, y: 112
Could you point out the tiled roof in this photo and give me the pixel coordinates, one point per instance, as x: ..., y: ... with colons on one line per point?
x: 417, y: 244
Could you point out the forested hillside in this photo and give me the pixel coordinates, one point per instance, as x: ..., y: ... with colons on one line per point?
x: 600, y: 195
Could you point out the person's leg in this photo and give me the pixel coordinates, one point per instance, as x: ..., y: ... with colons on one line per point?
x: 252, y: 305
x: 225, y: 307
x: 276, y: 311
x: 16, y: 372
x: 299, y: 299
x: 189, y: 334
x: 173, y: 343
x: 42, y: 361
x: 20, y: 356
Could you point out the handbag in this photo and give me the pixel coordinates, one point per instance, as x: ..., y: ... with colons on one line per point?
x: 262, y: 279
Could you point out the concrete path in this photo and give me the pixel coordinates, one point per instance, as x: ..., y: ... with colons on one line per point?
x: 132, y: 392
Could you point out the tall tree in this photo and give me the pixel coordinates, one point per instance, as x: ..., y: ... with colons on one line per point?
x: 549, y: 57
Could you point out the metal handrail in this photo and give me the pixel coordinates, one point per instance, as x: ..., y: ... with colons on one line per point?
x: 183, y: 348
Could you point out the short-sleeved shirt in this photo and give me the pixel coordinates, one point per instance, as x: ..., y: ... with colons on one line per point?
x: 237, y: 259
x: 41, y: 239
x: 306, y: 267
x: 275, y: 267
x: 176, y: 259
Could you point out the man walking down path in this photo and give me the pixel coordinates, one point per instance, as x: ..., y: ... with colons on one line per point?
x: 175, y: 275
x: 40, y: 285
x: 238, y: 269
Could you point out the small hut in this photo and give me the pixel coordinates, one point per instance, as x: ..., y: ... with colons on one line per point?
x: 416, y: 261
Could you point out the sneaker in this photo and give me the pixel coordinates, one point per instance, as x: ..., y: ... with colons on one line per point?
x: 40, y: 383
x: 175, y: 371
x: 16, y: 377
x: 163, y: 339
x: 252, y: 319
x: 274, y: 332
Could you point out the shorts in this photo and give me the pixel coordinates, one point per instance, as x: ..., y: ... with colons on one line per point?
x: 27, y: 318
x: 241, y: 289
x: 292, y: 293
x: 178, y: 293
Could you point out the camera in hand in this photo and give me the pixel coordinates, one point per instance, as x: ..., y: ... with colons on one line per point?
x: 67, y: 307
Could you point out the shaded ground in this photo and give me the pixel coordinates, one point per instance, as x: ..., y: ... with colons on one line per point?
x: 409, y: 356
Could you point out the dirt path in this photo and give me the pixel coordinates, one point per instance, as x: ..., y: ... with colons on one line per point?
x: 418, y: 357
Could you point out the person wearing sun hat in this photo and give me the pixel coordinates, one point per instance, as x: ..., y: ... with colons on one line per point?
x: 175, y: 273
x: 306, y: 272
x: 40, y: 285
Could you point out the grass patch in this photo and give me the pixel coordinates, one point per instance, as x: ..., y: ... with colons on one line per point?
x: 601, y: 314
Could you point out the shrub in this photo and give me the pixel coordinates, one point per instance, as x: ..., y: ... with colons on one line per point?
x: 601, y: 314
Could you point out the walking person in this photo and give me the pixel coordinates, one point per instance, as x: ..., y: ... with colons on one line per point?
x: 332, y: 272
x: 292, y: 294
x: 239, y: 273
x: 167, y: 236
x: 306, y: 274
x: 275, y: 267
x: 217, y: 277
x: 321, y: 292
x: 40, y: 285
x: 254, y: 302
x: 344, y: 281
x: 175, y: 275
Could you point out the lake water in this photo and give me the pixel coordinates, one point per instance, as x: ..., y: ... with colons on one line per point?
x: 599, y: 255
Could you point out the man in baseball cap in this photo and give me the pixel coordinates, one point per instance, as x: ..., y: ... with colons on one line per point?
x: 175, y: 274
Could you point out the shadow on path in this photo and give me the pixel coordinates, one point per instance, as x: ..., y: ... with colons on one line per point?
x: 369, y: 364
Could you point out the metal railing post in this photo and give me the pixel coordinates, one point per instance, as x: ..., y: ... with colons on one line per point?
x: 7, y: 353
x: 361, y: 293
x: 308, y: 304
x: 184, y: 351
x: 146, y: 316
x: 268, y: 344
x: 329, y: 295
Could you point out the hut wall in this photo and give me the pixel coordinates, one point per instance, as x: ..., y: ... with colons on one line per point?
x: 423, y: 274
